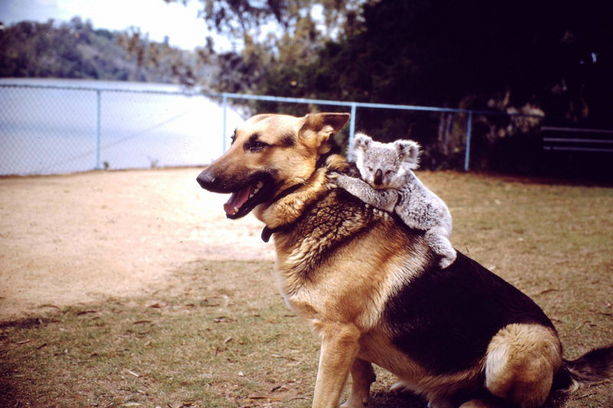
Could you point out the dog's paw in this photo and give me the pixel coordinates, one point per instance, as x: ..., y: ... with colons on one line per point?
x: 440, y: 404
x: 353, y: 404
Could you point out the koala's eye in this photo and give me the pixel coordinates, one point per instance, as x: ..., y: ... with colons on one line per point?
x: 369, y: 168
x: 388, y: 172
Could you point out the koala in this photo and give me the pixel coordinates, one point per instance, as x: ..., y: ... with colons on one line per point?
x: 388, y: 183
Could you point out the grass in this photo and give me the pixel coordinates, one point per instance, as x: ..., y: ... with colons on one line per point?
x: 220, y: 336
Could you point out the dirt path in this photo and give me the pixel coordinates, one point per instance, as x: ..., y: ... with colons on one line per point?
x: 77, y: 238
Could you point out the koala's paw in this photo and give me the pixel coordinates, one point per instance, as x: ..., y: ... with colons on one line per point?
x: 341, y: 180
x: 331, y: 180
x: 333, y: 176
x: 399, y: 388
x: 446, y: 261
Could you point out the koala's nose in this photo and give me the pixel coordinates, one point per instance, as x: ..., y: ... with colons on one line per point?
x: 378, y: 177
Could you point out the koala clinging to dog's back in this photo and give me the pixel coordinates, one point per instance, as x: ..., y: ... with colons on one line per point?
x: 388, y: 183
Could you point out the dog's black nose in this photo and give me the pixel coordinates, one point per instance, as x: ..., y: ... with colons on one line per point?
x: 378, y: 177
x: 206, y: 179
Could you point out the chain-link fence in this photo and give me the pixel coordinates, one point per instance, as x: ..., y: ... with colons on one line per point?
x: 50, y: 129
x: 60, y: 129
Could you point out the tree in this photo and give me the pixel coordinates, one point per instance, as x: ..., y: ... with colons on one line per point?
x: 77, y: 50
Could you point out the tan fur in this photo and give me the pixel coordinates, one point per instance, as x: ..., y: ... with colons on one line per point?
x: 339, y: 265
x: 521, y: 361
x: 288, y: 209
x: 363, y: 376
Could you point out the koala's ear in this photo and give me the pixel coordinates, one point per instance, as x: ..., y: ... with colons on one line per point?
x: 361, y: 141
x: 318, y: 128
x: 408, y: 152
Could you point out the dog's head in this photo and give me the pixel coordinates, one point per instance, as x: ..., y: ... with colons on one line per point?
x: 269, y: 154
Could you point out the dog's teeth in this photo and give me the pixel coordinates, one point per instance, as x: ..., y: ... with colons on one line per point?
x: 257, y: 188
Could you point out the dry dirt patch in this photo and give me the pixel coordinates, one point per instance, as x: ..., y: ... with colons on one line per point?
x: 77, y: 238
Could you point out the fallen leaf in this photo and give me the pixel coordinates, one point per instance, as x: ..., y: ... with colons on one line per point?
x: 83, y: 312
x: 548, y: 290
x: 284, y: 357
x: 132, y: 373
x: 49, y: 305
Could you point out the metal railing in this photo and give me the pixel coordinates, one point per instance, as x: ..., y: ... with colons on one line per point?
x: 570, y: 140
x: 136, y: 128
x: 355, y: 105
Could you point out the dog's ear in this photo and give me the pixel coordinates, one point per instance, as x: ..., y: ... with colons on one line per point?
x: 408, y: 152
x: 318, y: 128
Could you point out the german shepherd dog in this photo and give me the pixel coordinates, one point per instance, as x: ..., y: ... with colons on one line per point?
x: 373, y: 290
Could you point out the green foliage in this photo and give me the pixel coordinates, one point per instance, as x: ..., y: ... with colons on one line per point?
x: 77, y: 50
x: 550, y: 58
x: 544, y: 57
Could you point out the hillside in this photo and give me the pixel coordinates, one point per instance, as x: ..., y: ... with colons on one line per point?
x: 77, y: 50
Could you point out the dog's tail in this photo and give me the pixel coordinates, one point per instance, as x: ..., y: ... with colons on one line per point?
x: 595, y: 365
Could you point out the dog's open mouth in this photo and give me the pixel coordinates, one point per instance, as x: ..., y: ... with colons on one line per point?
x: 241, y: 202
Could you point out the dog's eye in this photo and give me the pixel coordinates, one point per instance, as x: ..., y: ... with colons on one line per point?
x: 255, y: 146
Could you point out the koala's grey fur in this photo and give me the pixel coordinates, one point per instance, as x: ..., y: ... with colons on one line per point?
x: 388, y: 183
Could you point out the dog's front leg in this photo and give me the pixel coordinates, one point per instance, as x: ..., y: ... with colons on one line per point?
x: 339, y: 348
x: 362, y: 375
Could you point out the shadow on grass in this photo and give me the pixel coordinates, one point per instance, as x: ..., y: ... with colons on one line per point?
x: 8, y: 392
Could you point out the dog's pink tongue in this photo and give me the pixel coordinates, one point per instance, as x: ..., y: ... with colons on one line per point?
x: 237, y: 200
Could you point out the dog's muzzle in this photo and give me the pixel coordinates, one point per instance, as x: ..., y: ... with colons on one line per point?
x: 206, y: 179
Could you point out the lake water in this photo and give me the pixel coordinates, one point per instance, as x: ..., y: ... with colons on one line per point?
x: 51, y: 131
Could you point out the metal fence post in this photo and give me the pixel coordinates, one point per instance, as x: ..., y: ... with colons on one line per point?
x: 469, y: 130
x: 98, y: 128
x: 224, y: 136
x: 352, y: 122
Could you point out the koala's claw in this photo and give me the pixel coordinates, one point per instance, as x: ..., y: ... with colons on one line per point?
x: 336, y: 180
